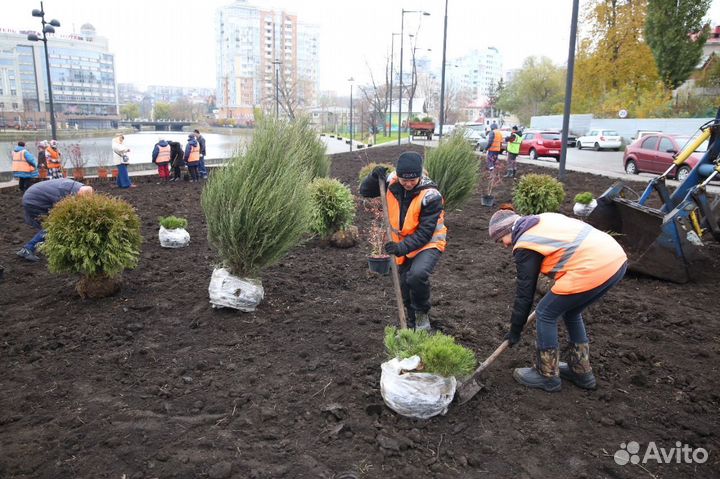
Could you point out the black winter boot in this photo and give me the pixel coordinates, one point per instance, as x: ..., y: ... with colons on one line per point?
x: 423, y: 321
x: 544, y: 374
x: 577, y: 370
x: 410, y: 318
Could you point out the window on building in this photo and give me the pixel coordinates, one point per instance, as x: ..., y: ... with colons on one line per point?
x: 15, y: 106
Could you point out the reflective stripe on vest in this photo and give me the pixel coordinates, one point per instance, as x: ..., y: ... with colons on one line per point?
x: 578, y: 256
x: 412, y: 222
x: 52, y: 157
x: 194, y: 156
x: 163, y: 155
x: 20, y: 164
x: 514, y: 146
x: 497, y: 141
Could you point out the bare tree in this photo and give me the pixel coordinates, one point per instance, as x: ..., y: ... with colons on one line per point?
x: 376, y: 97
x: 455, y: 99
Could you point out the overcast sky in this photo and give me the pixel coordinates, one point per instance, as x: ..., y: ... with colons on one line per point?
x: 170, y: 42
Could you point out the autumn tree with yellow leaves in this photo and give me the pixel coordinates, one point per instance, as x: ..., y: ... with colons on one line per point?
x: 615, y: 68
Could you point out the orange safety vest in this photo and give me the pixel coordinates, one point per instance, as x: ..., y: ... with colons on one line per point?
x: 578, y: 256
x: 194, y: 156
x: 497, y: 141
x: 52, y: 156
x: 20, y: 164
x: 412, y: 222
x: 164, y: 155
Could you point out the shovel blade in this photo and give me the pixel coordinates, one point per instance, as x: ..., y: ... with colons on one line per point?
x: 467, y: 391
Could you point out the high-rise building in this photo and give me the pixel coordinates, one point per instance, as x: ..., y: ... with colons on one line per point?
x: 259, y: 50
x: 477, y: 72
x: 82, y: 70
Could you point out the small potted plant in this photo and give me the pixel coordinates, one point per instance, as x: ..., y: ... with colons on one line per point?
x: 378, y: 260
x: 103, y: 160
x: 172, y: 232
x: 584, y: 204
x: 77, y: 161
x: 493, y: 178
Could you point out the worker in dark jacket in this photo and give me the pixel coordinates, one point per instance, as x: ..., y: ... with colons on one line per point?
x: 202, y: 170
x: 38, y: 200
x: 161, y: 157
x: 417, y: 215
x: 192, y: 157
x: 177, y: 160
x: 584, y: 262
x: 24, y: 166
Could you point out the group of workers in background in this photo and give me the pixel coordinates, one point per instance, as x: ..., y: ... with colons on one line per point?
x: 26, y: 167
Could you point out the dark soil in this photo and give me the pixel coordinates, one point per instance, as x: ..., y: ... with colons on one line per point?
x: 155, y: 383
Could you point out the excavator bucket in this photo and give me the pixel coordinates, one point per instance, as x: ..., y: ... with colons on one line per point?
x: 657, y: 244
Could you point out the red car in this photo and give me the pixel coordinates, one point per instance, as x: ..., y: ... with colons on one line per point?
x: 541, y: 143
x: 654, y: 154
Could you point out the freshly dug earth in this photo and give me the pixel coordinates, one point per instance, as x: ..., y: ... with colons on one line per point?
x: 155, y: 383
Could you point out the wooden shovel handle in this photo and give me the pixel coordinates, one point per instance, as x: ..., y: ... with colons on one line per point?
x: 393, y: 264
x: 500, y: 349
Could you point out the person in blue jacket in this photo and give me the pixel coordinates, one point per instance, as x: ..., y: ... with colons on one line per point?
x: 24, y: 166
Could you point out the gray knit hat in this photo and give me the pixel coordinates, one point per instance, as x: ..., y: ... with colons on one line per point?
x: 501, y: 224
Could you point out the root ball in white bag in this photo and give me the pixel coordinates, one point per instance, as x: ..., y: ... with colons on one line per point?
x: 229, y: 291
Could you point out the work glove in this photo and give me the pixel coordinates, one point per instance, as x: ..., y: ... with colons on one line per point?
x: 380, y: 172
x: 513, y: 336
x: 397, y: 249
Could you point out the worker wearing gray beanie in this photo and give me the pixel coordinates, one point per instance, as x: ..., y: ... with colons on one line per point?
x: 417, y: 219
x: 585, y: 263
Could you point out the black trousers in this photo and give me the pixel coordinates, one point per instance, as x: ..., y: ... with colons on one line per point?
x: 415, y: 280
x: 25, y: 183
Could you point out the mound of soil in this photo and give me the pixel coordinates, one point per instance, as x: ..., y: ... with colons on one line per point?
x: 155, y: 383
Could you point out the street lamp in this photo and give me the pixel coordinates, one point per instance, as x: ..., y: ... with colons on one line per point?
x: 392, y: 57
x: 351, y: 80
x: 402, y: 29
x: 48, y: 27
x: 277, y: 64
x: 442, y: 77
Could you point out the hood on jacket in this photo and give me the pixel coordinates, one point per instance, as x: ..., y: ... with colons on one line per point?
x: 163, y: 143
x: 192, y: 141
x: 19, y: 148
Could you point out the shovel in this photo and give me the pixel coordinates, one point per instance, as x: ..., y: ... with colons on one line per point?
x: 472, y: 386
x: 393, y: 264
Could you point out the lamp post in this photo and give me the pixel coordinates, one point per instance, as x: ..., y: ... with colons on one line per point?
x: 442, y: 77
x: 402, y: 29
x: 568, y: 90
x: 351, y: 79
x: 277, y: 64
x: 47, y: 27
x: 392, y: 57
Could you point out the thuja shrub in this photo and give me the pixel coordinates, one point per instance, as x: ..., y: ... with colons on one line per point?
x: 455, y: 168
x: 172, y: 222
x: 258, y: 206
x: 439, y: 353
x: 584, y: 198
x: 535, y: 194
x: 367, y: 169
x: 305, y: 146
x: 333, y: 206
x: 95, y: 236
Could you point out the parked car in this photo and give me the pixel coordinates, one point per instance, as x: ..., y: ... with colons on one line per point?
x: 541, y: 143
x: 474, y: 134
x: 654, y: 154
x: 643, y: 133
x: 599, y: 139
x: 571, y: 141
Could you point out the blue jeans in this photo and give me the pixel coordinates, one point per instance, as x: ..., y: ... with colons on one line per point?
x: 570, y: 306
x: 201, y: 167
x: 32, y: 214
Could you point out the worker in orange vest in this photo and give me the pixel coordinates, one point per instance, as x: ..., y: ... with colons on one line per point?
x: 161, y: 157
x: 192, y: 157
x: 417, y: 219
x: 54, y: 163
x: 494, y: 146
x: 24, y: 166
x: 584, y: 262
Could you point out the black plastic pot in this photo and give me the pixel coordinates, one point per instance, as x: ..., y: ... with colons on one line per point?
x: 379, y: 265
x: 487, y: 200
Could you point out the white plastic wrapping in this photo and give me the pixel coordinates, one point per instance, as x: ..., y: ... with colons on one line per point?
x: 174, y: 238
x: 228, y: 291
x: 417, y: 395
x: 584, y: 210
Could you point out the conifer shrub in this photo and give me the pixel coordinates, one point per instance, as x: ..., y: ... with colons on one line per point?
x: 367, y: 169
x: 172, y: 222
x: 535, y: 194
x: 258, y: 206
x: 455, y: 168
x: 333, y: 206
x: 95, y: 236
x: 584, y: 198
x: 306, y: 147
x: 439, y: 353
